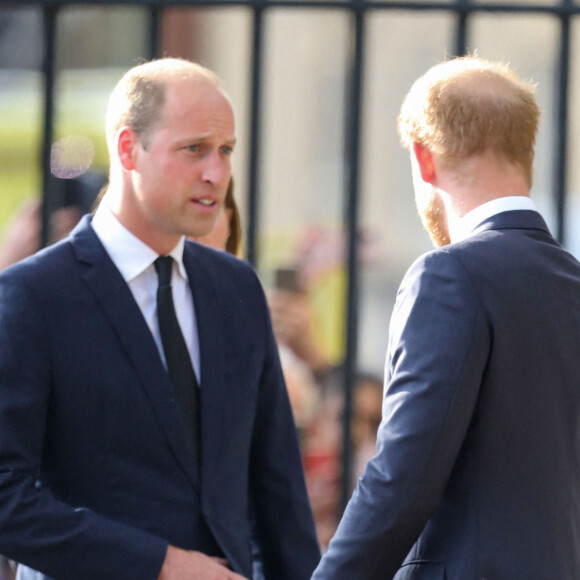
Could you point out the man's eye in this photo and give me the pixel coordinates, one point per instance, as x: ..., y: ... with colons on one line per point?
x: 227, y: 150
x: 193, y: 148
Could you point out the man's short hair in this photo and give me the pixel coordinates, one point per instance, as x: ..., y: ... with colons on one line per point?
x: 138, y: 98
x: 466, y: 106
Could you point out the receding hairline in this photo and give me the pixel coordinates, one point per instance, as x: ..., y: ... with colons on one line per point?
x: 159, y: 74
x: 479, y: 79
x: 167, y: 70
x: 475, y: 78
x: 469, y: 65
x: 469, y: 105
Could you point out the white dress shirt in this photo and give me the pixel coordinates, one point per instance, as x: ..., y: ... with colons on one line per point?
x: 462, y: 228
x: 134, y: 259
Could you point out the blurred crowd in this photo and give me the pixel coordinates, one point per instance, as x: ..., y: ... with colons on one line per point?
x: 316, y: 390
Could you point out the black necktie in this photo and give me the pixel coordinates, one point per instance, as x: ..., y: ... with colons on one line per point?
x: 177, y: 357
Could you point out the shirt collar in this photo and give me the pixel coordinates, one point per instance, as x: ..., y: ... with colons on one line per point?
x: 463, y: 227
x: 128, y: 252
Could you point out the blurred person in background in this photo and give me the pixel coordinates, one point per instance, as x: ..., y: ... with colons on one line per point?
x: 314, y: 388
x: 477, y: 470
x: 293, y: 323
x: 319, y: 401
x: 22, y: 234
x: 134, y: 460
x: 226, y: 233
x: 367, y: 404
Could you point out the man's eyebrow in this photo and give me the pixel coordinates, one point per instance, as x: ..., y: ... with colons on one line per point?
x: 202, y: 138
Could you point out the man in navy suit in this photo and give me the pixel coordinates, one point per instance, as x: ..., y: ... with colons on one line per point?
x: 477, y: 469
x: 103, y: 474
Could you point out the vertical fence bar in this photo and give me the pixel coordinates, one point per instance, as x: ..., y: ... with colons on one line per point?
x: 561, y: 149
x: 353, y: 140
x: 154, y: 40
x: 50, y: 15
x: 254, y: 158
x: 461, y: 31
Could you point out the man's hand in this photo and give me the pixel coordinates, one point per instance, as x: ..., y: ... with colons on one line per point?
x: 187, y: 565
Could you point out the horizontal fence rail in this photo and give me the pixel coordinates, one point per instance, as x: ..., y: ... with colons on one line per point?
x: 562, y: 9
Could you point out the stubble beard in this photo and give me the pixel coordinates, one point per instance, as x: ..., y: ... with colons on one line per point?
x: 434, y: 220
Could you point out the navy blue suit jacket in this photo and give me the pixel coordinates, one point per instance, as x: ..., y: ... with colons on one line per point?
x: 477, y: 472
x: 95, y: 473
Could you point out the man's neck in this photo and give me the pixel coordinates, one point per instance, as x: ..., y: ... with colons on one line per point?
x: 129, y: 217
x: 486, y: 176
x: 461, y: 228
x: 476, y: 181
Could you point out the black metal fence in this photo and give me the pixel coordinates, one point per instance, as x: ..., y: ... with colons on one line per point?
x: 357, y: 10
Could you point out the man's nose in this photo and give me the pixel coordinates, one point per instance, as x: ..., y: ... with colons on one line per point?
x: 217, y: 169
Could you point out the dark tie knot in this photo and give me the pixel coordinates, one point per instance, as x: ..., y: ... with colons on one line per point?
x: 163, y: 265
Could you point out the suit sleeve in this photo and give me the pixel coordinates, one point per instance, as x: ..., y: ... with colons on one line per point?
x: 438, y: 345
x: 288, y: 547
x: 37, y: 529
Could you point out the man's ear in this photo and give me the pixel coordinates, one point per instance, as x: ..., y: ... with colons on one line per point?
x: 425, y: 162
x: 127, y: 141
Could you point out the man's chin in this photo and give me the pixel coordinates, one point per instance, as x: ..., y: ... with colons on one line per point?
x: 199, y: 230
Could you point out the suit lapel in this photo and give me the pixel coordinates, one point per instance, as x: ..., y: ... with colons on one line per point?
x: 210, y: 329
x: 123, y: 313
